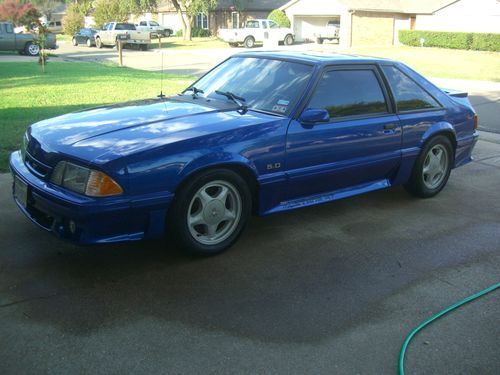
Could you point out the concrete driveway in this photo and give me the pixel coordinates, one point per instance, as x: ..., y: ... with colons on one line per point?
x: 331, y: 289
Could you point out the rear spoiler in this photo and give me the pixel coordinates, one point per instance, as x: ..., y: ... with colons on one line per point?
x: 456, y: 93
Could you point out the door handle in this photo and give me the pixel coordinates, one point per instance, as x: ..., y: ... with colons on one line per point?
x: 389, y: 126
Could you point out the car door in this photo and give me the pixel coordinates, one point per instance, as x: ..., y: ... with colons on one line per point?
x: 358, y: 146
x: 7, y: 37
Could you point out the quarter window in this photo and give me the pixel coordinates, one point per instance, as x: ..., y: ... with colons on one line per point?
x: 408, y: 94
x: 349, y: 93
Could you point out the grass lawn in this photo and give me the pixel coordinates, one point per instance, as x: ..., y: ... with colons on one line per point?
x: 197, y: 43
x: 441, y: 62
x: 29, y: 96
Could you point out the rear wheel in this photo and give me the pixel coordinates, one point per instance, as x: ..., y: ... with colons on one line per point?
x: 167, y: 33
x: 98, y: 42
x: 249, y: 42
x: 288, y: 40
x: 210, y: 212
x: 74, y: 42
x: 432, y: 168
x: 31, y: 49
x: 89, y: 42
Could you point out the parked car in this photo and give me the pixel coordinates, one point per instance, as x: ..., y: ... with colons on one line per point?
x: 255, y: 31
x: 155, y: 27
x: 260, y: 133
x: 111, y: 32
x: 54, y: 26
x: 23, y: 43
x: 329, y: 32
x: 84, y: 36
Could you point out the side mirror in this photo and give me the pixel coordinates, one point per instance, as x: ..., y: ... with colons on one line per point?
x: 312, y: 116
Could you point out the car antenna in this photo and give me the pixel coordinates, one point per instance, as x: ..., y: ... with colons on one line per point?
x: 161, y: 96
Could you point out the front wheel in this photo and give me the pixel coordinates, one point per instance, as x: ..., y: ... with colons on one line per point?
x: 98, y: 43
x: 432, y: 168
x: 288, y: 40
x: 166, y: 33
x: 210, y: 212
x: 89, y: 42
x: 74, y: 42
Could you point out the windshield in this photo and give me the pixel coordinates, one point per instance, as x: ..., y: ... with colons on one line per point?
x: 264, y: 84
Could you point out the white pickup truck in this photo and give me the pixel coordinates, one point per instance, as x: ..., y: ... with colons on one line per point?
x: 329, y: 32
x: 111, y: 32
x: 155, y: 27
x: 255, y: 31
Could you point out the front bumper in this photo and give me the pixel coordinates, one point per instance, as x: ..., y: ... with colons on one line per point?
x: 87, y: 220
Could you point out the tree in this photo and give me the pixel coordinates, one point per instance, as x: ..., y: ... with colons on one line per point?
x: 19, y: 13
x: 279, y: 17
x: 120, y: 10
x: 47, y: 7
x: 110, y: 10
x: 73, y: 20
x: 187, y: 10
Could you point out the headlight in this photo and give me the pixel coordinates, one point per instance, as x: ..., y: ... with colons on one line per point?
x: 84, y: 180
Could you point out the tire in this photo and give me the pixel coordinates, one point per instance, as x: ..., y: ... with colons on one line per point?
x: 98, y: 42
x: 74, y: 42
x: 249, y: 42
x: 31, y: 49
x: 167, y: 33
x: 432, y: 168
x: 89, y: 42
x: 319, y: 40
x: 195, y: 215
x: 288, y: 40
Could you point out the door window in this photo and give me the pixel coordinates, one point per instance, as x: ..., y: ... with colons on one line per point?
x: 349, y: 93
x: 408, y: 94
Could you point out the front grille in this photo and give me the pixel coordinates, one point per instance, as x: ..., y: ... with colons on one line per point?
x: 36, y: 166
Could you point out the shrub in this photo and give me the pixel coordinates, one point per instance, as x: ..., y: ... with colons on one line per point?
x: 279, y: 17
x: 178, y: 33
x: 486, y: 42
x: 73, y: 20
x: 199, y: 33
x: 455, y: 40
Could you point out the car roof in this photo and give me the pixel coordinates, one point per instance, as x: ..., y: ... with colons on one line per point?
x: 317, y: 58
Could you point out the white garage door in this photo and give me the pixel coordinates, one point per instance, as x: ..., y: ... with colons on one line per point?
x: 305, y: 27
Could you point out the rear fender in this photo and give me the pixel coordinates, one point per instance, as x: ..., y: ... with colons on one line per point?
x: 440, y: 128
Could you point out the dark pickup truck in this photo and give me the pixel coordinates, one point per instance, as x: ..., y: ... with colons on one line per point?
x: 24, y: 43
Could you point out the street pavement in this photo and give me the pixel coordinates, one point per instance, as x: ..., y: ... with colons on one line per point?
x: 331, y: 289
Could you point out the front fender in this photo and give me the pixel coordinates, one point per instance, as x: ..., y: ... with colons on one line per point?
x: 215, y: 159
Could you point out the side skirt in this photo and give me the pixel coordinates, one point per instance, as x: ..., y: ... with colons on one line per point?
x: 329, y: 196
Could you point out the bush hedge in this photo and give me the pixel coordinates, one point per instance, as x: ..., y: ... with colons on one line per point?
x: 455, y: 40
x: 200, y: 33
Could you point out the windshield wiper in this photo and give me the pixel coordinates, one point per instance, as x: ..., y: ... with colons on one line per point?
x: 235, y: 98
x: 195, y: 91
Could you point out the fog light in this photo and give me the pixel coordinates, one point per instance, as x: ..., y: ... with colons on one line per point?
x: 72, y: 227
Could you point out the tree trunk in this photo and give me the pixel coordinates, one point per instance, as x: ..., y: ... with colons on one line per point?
x: 189, y: 27
x: 180, y: 14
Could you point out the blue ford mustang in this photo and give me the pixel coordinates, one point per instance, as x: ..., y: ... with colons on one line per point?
x: 260, y: 133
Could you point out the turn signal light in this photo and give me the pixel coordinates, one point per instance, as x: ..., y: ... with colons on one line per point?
x: 475, y: 122
x: 101, y: 185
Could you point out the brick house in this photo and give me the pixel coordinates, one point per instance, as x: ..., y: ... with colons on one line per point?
x: 362, y: 22
x: 225, y: 15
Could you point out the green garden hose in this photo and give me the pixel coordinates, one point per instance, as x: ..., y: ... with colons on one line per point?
x: 428, y: 321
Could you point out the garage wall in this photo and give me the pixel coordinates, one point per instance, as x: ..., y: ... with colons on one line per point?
x: 372, y: 28
x: 305, y: 27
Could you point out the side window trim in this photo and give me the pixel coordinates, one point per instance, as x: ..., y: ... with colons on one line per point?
x: 380, y: 79
x: 397, y: 111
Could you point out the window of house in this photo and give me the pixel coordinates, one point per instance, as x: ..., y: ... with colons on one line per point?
x: 349, y: 93
x: 235, y: 18
x: 201, y: 21
x: 408, y: 94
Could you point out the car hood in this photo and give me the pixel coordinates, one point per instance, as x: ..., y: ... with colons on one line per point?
x: 104, y: 133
